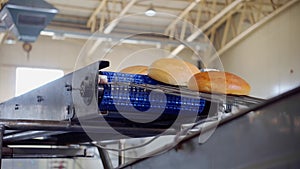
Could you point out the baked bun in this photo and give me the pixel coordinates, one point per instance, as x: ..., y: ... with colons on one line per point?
x: 219, y: 82
x: 143, y: 70
x: 172, y: 71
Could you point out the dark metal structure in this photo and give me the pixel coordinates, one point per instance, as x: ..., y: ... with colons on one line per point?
x: 92, y: 105
x: 264, y: 137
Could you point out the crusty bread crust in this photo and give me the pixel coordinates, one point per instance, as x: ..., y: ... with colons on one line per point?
x: 172, y: 71
x: 219, y: 82
x: 139, y: 69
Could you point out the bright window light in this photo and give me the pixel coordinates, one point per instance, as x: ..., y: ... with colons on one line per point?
x: 30, y: 78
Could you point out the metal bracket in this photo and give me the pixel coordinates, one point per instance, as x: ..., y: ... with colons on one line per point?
x: 70, y: 112
x: 2, y: 129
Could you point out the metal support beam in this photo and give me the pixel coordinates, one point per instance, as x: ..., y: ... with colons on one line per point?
x: 183, y: 29
x: 2, y: 129
x: 214, y: 20
x: 111, y: 26
x: 2, y: 35
x: 199, y: 13
x: 121, y: 153
x: 224, y: 19
x: 2, y: 2
x: 182, y: 15
x: 29, y: 135
x: 259, y: 13
x: 251, y: 16
x: 56, y: 126
x: 95, y: 12
x: 226, y: 30
x: 44, y: 152
x: 114, y: 23
x: 106, y: 162
x: 194, y: 35
x: 255, y: 26
x: 214, y: 5
x: 114, y: 7
x: 102, y: 22
x: 140, y: 39
x: 216, y: 29
x: 241, y: 21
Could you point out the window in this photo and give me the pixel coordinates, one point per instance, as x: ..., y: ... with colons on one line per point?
x: 30, y: 78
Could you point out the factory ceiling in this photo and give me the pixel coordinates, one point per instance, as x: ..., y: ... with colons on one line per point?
x: 224, y: 22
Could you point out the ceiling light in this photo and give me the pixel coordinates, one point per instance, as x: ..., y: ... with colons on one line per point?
x: 10, y: 39
x: 150, y: 11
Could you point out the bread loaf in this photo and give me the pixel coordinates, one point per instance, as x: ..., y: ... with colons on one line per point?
x: 219, y: 82
x: 143, y: 70
x: 172, y: 71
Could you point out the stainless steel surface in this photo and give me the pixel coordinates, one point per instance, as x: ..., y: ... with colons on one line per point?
x: 57, y: 103
x: 56, y: 99
x: 121, y: 157
x: 106, y: 161
x: 29, y: 135
x: 266, y: 136
x: 2, y: 128
x: 38, y: 152
x: 42, y: 125
x: 26, y: 19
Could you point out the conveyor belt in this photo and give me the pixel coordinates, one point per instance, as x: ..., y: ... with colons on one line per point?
x: 57, y: 111
x: 130, y: 94
x: 123, y: 94
x: 139, y: 93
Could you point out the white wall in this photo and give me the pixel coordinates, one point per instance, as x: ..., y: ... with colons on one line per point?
x: 46, y: 53
x: 269, y: 58
x: 120, y: 55
x: 69, y: 55
x: 7, y: 82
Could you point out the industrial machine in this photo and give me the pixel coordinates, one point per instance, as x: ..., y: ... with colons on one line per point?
x: 266, y: 137
x: 94, y: 105
x: 26, y: 19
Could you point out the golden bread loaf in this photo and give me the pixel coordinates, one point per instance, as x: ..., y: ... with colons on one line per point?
x: 219, y: 82
x: 143, y: 70
x: 172, y: 71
